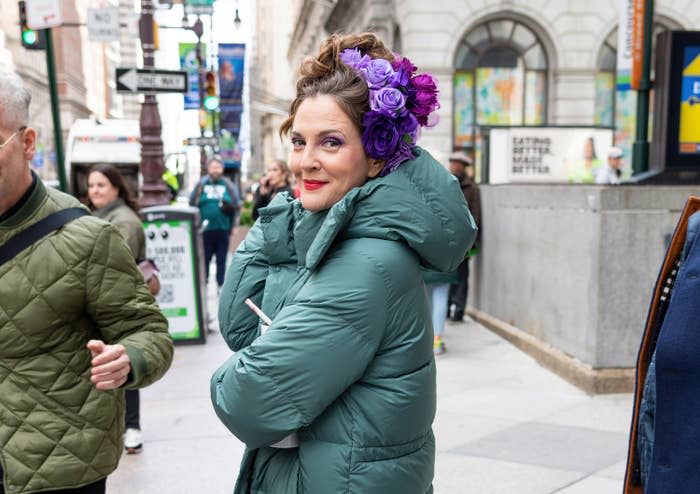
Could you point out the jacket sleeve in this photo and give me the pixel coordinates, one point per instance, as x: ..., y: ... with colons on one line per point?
x: 134, y: 236
x: 124, y: 311
x: 245, y: 278
x: 473, y: 198
x: 196, y: 194
x: 317, y: 347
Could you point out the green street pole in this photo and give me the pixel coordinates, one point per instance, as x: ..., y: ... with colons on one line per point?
x: 640, y: 148
x: 55, y: 112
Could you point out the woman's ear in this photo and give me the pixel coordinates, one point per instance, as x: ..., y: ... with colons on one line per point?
x: 375, y: 166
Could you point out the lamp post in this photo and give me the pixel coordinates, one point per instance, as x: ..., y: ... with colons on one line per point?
x: 154, y: 191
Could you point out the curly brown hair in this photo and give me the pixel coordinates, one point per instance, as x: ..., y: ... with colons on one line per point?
x: 325, y: 74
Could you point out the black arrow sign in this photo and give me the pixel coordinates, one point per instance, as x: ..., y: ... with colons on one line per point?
x: 151, y: 81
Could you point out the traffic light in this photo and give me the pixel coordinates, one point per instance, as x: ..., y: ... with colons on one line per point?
x: 211, y: 100
x: 31, y: 39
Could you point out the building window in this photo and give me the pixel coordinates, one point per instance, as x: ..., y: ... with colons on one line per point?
x: 618, y: 108
x: 500, y: 79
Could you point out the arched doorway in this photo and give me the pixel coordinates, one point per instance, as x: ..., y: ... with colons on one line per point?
x: 500, y: 78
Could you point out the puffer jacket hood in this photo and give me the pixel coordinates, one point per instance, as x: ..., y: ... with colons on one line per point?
x: 420, y: 203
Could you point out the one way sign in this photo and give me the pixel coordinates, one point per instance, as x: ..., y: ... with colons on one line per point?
x: 151, y: 81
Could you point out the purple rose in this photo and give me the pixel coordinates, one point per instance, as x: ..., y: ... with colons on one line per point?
x: 402, y: 154
x: 353, y: 58
x: 380, y: 136
x: 389, y: 101
x: 378, y: 73
x: 408, y: 125
x: 425, y: 100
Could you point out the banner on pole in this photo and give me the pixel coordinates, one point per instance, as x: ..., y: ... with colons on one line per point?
x: 630, y: 44
x: 231, y: 65
x: 188, y: 63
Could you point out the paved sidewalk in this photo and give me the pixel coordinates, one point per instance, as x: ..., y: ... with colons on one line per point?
x: 504, y: 425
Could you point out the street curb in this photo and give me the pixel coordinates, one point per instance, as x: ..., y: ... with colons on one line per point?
x: 592, y: 381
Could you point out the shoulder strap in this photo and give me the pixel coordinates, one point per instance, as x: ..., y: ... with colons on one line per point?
x: 37, y: 231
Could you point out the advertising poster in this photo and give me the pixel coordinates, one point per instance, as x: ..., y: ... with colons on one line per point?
x: 169, y: 244
x: 188, y: 63
x: 547, y: 154
x: 231, y: 65
x: 499, y: 96
x: 464, y: 109
x: 689, y: 127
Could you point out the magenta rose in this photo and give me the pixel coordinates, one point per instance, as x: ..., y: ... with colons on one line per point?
x: 377, y: 73
x: 380, y: 136
x: 389, y: 101
x: 403, y: 70
x: 424, y: 100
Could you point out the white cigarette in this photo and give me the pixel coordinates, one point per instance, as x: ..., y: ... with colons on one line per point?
x: 259, y: 312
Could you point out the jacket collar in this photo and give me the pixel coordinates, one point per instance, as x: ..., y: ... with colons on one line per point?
x: 36, y: 198
x: 104, y: 212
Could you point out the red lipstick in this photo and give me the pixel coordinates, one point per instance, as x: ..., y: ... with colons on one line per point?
x: 313, y: 184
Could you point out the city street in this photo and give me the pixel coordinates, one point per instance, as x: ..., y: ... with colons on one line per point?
x: 504, y: 424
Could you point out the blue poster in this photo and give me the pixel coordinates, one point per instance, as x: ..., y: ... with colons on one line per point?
x: 188, y: 63
x: 231, y: 64
x: 689, y: 129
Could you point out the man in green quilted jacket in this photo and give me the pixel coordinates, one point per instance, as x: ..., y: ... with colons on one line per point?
x: 77, y: 326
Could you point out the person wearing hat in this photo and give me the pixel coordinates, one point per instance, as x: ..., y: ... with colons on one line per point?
x: 612, y: 172
x: 461, y: 167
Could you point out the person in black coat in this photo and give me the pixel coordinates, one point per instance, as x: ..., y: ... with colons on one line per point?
x: 277, y: 179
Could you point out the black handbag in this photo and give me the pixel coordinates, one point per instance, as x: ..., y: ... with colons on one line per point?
x: 227, y: 207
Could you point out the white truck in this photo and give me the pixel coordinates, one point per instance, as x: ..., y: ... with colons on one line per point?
x: 113, y: 141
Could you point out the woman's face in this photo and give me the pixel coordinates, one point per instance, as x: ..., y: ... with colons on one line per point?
x: 327, y: 156
x: 275, y: 175
x: 100, y: 190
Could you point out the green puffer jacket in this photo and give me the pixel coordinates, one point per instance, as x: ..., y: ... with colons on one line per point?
x: 348, y: 360
x: 57, y: 431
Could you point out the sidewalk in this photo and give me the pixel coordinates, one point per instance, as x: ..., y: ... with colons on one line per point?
x: 504, y: 424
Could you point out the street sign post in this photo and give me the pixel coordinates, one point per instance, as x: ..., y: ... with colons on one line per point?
x: 103, y: 24
x: 43, y: 14
x: 151, y: 81
x: 202, y: 141
x: 205, y: 7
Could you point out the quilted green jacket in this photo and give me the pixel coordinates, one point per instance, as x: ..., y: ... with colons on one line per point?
x: 348, y: 360
x: 57, y: 431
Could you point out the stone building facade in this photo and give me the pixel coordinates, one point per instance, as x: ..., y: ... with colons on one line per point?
x: 506, y: 62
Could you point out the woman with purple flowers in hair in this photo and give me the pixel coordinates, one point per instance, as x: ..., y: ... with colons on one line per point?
x: 332, y: 386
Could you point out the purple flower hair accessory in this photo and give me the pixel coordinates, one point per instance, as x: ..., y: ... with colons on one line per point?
x: 400, y: 103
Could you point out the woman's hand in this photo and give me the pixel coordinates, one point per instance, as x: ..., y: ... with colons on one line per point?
x: 265, y: 187
x: 110, y: 365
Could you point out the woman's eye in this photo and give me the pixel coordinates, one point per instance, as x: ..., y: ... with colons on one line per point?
x: 297, y: 141
x: 332, y: 142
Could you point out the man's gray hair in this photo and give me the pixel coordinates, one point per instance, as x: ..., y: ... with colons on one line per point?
x: 14, y: 101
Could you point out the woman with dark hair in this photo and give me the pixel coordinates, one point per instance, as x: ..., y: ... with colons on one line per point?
x: 111, y: 200
x: 336, y: 391
x: 277, y: 179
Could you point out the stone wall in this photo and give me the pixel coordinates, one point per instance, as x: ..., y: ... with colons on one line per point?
x: 575, y: 266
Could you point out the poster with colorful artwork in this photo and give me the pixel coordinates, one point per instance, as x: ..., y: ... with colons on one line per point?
x: 463, y: 109
x: 534, y: 98
x: 604, y: 94
x: 499, y: 96
x: 689, y: 128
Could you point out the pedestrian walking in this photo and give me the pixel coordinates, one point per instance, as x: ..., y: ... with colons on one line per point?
x: 663, y: 450
x: 344, y: 376
x: 462, y: 168
x: 78, y: 325
x: 111, y: 200
x: 611, y: 173
x: 218, y: 202
x: 277, y: 179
